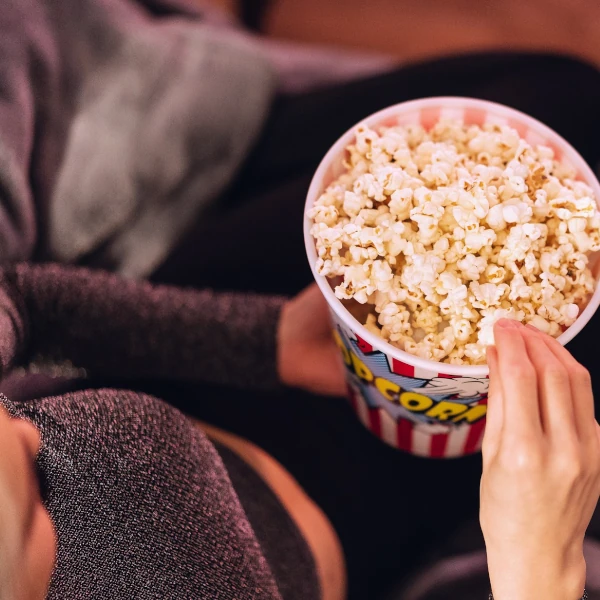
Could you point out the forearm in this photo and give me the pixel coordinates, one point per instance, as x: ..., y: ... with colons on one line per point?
x: 116, y: 327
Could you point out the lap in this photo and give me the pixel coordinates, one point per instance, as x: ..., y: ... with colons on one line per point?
x: 386, y: 506
x: 308, y: 517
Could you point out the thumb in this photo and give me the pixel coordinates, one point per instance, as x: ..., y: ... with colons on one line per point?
x: 323, y: 369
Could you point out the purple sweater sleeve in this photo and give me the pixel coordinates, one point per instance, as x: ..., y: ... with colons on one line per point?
x: 118, y: 327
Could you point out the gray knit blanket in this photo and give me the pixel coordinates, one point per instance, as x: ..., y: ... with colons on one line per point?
x: 120, y: 121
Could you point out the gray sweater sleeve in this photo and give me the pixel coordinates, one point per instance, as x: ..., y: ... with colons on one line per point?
x: 117, y: 327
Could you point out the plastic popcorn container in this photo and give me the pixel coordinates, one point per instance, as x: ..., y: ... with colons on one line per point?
x: 427, y: 408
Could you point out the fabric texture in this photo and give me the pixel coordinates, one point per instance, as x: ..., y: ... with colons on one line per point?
x: 144, y: 507
x: 120, y: 121
x: 584, y: 597
x: 283, y: 546
x: 109, y: 325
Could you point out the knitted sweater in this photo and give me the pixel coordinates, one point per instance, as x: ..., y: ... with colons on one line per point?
x: 53, y: 315
x: 145, y: 506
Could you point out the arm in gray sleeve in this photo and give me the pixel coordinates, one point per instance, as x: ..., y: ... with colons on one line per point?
x: 124, y: 328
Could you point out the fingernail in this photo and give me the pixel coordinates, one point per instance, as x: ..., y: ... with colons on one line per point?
x: 529, y: 326
x: 508, y: 324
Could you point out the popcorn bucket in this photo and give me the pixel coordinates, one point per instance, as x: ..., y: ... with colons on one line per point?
x: 424, y: 407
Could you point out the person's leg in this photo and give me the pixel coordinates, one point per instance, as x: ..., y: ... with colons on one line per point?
x: 256, y: 241
x: 309, y: 518
x: 560, y: 91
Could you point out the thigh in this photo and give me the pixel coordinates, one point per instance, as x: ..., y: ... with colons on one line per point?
x: 255, y: 242
x: 257, y: 246
x: 308, y: 517
x: 560, y: 91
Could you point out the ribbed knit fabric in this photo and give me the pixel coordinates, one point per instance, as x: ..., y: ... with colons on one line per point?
x: 118, y: 327
x: 145, y: 509
x: 120, y: 125
x: 143, y: 504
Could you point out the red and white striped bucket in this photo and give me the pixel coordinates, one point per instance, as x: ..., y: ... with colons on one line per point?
x: 422, y: 411
x: 420, y: 406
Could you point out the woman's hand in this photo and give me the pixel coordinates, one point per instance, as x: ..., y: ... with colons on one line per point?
x: 307, y: 356
x: 541, y: 467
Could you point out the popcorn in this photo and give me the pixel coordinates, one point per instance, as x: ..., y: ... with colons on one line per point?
x: 455, y: 301
x: 472, y: 266
x: 462, y: 329
x: 485, y: 295
x: 569, y: 313
x: 443, y: 232
x: 476, y: 240
x: 381, y: 273
x: 518, y: 212
x: 495, y: 217
x: 519, y: 290
x: 427, y: 319
x: 401, y: 203
x: 577, y: 225
x: 540, y: 323
x: 494, y: 273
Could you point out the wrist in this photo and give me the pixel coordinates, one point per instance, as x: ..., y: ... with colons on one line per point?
x: 551, y: 580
